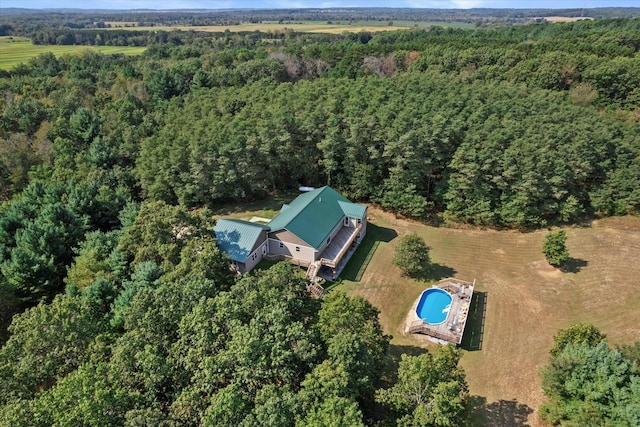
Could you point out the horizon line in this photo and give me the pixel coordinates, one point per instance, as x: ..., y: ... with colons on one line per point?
x: 313, y: 8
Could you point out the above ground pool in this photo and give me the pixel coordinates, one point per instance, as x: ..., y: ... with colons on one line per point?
x: 434, y: 306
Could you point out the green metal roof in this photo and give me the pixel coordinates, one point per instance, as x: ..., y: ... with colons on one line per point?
x: 236, y: 237
x: 353, y: 209
x: 312, y: 215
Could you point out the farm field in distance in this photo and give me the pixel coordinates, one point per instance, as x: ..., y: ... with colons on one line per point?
x: 16, y: 50
x: 299, y: 26
x: 526, y: 301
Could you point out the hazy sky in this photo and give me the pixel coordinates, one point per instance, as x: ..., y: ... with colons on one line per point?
x: 276, y: 4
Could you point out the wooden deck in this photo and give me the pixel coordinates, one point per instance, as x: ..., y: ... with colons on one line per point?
x: 451, y: 330
x: 339, y: 245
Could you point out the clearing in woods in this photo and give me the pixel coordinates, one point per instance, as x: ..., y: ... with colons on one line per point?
x: 520, y: 301
x: 16, y: 50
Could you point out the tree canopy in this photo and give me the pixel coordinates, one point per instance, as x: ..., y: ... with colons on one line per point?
x: 192, y: 350
x: 555, y: 248
x: 431, y: 389
x: 593, y: 385
x: 123, y: 310
x: 412, y: 256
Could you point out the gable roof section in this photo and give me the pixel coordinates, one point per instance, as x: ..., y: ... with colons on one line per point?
x: 353, y: 209
x: 312, y: 215
x: 236, y: 237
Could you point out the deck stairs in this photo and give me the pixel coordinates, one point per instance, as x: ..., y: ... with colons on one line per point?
x: 312, y: 271
x: 315, y: 289
x: 419, y: 327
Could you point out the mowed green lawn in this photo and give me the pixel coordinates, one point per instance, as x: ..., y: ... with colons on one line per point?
x: 16, y: 50
x: 524, y: 300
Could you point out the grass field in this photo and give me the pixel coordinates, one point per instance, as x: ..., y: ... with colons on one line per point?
x: 268, y: 27
x: 16, y: 50
x: 520, y: 301
x: 555, y: 19
x: 307, y: 26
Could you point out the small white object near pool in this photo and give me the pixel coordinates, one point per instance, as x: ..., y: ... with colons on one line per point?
x: 434, y: 306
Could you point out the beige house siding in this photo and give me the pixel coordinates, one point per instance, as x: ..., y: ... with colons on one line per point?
x: 297, y: 251
x: 287, y: 236
x: 262, y: 248
x: 363, y: 232
x: 364, y: 223
x: 260, y: 242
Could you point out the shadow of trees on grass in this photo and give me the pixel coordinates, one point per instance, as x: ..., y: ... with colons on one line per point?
x: 503, y: 413
x: 573, y: 265
x: 439, y: 271
x: 434, y: 272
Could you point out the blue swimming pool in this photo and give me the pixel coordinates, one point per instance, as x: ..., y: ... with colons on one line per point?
x: 434, y: 306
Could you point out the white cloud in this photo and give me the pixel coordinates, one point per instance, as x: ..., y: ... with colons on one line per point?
x: 468, y: 4
x: 287, y: 4
x: 446, y: 4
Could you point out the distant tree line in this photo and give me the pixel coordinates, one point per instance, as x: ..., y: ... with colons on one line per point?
x: 25, y: 22
x: 92, y: 37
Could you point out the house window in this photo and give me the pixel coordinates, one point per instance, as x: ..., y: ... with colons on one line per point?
x: 329, y: 240
x: 281, y: 245
x: 359, y: 221
x: 297, y: 248
x: 346, y: 221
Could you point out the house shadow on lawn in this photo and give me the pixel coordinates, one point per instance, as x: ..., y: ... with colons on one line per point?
x: 507, y: 413
x: 573, y: 265
x: 361, y: 258
x: 474, y: 330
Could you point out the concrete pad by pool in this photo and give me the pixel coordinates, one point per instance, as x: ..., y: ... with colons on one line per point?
x: 441, y: 311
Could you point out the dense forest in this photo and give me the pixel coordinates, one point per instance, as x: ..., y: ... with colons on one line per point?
x: 111, y: 168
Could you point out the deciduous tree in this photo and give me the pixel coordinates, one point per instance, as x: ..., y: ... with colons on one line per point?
x: 555, y: 249
x: 412, y: 256
x: 579, y: 333
x: 431, y: 389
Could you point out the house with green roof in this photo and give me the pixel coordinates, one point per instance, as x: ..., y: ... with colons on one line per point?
x: 318, y: 230
x: 245, y: 242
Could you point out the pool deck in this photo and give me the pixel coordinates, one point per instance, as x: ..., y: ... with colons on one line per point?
x: 451, y: 330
